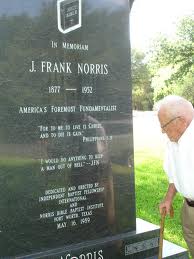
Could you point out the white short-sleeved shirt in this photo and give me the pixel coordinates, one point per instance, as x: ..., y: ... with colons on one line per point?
x: 179, y: 163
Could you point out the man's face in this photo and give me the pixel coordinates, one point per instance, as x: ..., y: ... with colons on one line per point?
x: 172, y: 127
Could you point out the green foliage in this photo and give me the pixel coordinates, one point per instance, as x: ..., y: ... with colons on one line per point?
x: 160, y: 83
x: 177, y: 55
x: 186, y: 88
x: 142, y: 91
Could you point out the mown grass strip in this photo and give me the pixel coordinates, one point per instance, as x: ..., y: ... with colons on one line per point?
x: 151, y: 186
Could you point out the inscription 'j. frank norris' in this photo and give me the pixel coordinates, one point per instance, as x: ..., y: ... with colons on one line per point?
x: 68, y: 68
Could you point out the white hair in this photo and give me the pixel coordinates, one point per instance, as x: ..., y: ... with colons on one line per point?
x: 175, y: 105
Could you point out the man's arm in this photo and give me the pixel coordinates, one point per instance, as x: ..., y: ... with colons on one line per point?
x: 166, y: 204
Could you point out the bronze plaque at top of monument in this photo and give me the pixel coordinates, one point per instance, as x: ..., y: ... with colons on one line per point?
x: 69, y: 15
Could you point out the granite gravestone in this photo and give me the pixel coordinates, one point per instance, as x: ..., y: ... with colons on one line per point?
x: 66, y: 149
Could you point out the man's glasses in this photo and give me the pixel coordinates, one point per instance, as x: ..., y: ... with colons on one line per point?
x: 166, y: 124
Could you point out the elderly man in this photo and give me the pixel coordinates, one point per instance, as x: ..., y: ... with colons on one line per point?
x: 176, y: 119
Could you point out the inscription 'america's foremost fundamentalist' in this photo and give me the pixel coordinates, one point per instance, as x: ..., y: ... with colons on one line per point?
x: 67, y: 109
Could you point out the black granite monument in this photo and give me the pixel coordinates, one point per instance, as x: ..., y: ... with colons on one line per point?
x: 66, y: 148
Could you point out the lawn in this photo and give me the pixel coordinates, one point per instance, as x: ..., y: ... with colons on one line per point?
x: 151, y: 185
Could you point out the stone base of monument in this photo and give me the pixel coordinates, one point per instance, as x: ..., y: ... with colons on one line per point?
x: 140, y: 244
x: 173, y: 251
x: 170, y: 250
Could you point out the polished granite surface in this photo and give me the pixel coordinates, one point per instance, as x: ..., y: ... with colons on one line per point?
x: 66, y: 142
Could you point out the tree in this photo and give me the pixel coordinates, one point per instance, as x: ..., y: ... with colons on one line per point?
x: 178, y: 56
x: 142, y: 91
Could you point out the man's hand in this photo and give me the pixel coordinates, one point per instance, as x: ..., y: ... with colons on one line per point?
x: 165, y: 207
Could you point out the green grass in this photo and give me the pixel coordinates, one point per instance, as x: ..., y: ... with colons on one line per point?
x: 151, y: 186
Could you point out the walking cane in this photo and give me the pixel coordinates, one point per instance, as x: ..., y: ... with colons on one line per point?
x: 162, y: 221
